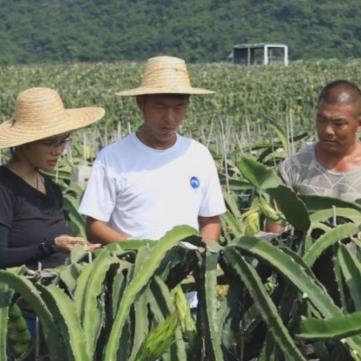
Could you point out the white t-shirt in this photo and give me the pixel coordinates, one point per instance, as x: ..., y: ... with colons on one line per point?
x: 144, y: 192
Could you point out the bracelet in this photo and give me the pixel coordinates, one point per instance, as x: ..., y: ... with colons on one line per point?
x: 47, y: 247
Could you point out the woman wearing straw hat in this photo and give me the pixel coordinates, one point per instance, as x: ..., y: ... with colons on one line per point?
x: 150, y: 181
x: 32, y: 223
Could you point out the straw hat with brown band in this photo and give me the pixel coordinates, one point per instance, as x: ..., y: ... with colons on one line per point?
x: 40, y: 113
x: 165, y: 75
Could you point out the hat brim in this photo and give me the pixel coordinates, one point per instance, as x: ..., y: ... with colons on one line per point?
x: 158, y: 90
x: 12, y: 134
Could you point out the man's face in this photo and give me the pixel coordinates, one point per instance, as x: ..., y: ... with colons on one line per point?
x: 336, y: 126
x: 163, y: 114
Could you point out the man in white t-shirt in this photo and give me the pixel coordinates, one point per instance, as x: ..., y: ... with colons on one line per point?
x: 152, y: 180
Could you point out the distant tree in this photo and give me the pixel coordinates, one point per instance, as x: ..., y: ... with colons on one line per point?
x: 198, y: 30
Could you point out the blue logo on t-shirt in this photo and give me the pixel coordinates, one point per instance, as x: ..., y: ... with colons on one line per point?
x: 194, y: 182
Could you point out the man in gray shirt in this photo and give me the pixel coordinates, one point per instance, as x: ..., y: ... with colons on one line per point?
x: 332, y: 166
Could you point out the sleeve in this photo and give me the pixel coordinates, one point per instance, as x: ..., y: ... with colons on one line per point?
x: 285, y: 172
x: 11, y: 257
x: 100, y: 195
x: 6, y: 207
x: 212, y: 200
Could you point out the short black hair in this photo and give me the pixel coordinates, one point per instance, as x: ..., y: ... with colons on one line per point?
x: 327, y: 93
x: 340, y: 92
x: 175, y: 95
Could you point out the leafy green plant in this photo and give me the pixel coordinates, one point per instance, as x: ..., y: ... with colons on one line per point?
x: 92, y: 321
x: 258, y: 299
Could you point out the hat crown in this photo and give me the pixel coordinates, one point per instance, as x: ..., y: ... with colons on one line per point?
x: 39, y: 114
x: 165, y: 75
x: 37, y: 106
x: 166, y: 72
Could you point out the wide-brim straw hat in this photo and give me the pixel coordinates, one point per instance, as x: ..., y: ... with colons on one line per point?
x: 40, y: 113
x: 165, y: 75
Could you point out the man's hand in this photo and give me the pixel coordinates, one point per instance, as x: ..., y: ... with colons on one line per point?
x: 274, y: 227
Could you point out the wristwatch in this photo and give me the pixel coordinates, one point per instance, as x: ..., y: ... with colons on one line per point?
x: 47, y: 247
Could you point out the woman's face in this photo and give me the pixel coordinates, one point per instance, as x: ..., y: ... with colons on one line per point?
x: 44, y: 154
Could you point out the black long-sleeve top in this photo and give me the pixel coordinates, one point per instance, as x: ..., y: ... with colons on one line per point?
x: 29, y: 219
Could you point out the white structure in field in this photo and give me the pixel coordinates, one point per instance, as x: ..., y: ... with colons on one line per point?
x: 262, y: 53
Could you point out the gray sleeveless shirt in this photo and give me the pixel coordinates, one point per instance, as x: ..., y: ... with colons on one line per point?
x: 305, y: 175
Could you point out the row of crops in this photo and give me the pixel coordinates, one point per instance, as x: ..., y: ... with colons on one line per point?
x: 260, y: 299
x: 247, y: 98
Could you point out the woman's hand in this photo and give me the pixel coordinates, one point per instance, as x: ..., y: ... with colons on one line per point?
x: 65, y: 243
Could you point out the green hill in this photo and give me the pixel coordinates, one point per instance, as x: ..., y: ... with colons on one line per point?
x: 198, y: 30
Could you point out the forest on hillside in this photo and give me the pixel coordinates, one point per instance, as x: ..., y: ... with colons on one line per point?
x: 37, y: 31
